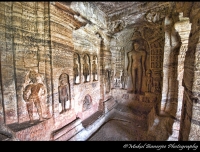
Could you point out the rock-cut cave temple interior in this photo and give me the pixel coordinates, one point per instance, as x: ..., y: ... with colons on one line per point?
x: 99, y: 71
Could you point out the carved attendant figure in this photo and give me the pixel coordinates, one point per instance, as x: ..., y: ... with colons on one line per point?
x: 33, y: 93
x: 86, y: 68
x: 149, y: 81
x: 136, y: 67
x: 63, y: 89
x: 123, y: 80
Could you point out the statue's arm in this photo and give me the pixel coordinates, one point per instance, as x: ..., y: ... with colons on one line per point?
x: 143, y: 62
x: 25, y: 93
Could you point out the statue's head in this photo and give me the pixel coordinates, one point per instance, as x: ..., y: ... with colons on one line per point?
x: 33, y: 76
x: 63, y: 78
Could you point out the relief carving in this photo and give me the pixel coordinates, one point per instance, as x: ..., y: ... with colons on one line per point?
x: 76, y: 69
x: 64, y: 92
x: 107, y: 79
x: 34, y: 94
x: 94, y: 68
x: 157, y: 83
x: 86, y: 68
x: 149, y: 81
x: 136, y: 67
x: 123, y: 80
x: 87, y: 103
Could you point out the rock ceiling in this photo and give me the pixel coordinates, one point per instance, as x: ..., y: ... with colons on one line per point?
x: 115, y: 16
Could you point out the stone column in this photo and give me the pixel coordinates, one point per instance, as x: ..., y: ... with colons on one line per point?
x: 183, y: 26
x: 170, y: 84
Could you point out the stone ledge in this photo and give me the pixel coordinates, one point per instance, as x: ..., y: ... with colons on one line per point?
x: 109, y: 104
x: 90, y: 120
x: 65, y: 132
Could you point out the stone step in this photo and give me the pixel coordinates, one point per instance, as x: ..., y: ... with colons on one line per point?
x: 67, y: 131
x: 90, y: 120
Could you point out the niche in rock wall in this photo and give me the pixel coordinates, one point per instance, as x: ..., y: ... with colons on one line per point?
x: 145, y: 61
x: 87, y: 103
x: 64, y: 92
x: 86, y: 68
x: 137, y: 67
x: 76, y: 68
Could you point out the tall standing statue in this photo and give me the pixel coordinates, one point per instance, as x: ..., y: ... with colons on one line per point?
x: 136, y: 67
x: 64, y: 93
x: 86, y: 69
x: 33, y: 94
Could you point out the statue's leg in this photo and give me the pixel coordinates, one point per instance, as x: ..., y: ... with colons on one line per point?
x: 139, y: 79
x: 134, y: 81
x: 39, y: 110
x: 63, y: 106
x: 29, y: 106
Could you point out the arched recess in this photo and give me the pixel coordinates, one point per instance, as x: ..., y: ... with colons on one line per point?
x: 77, y: 68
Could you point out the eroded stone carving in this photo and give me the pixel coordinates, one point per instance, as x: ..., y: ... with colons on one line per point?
x: 87, y: 102
x: 76, y: 69
x: 149, y: 80
x: 94, y: 68
x: 136, y: 67
x: 64, y: 92
x: 157, y: 83
x: 86, y: 68
x: 123, y: 80
x: 33, y: 94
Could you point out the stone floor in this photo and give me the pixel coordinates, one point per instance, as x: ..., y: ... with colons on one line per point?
x: 129, y: 122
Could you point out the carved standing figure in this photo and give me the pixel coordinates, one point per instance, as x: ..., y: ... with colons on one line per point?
x: 86, y: 68
x: 94, y: 69
x: 149, y: 81
x: 33, y: 93
x: 76, y: 70
x: 123, y: 80
x: 136, y: 67
x: 64, y: 94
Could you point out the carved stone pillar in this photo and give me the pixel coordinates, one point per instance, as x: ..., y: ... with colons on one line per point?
x: 183, y: 27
